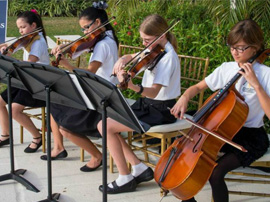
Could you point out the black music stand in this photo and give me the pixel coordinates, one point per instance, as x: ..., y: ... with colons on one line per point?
x: 107, y: 99
x: 55, y: 86
x: 9, y: 76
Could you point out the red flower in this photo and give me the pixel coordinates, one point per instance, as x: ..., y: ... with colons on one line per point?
x: 115, y: 23
x: 129, y: 33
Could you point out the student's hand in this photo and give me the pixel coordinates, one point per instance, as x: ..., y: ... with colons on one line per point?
x: 56, y: 49
x: 119, y: 65
x: 180, y: 107
x: 3, y: 48
x: 250, y: 75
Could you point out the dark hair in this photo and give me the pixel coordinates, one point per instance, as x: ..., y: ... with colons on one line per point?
x: 248, y: 31
x: 33, y: 17
x: 92, y: 13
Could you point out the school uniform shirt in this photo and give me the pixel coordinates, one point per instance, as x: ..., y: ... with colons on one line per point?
x: 39, y: 49
x: 224, y: 73
x: 106, y: 52
x: 166, y: 73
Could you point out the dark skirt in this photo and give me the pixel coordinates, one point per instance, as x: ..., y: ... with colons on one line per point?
x: 154, y: 112
x: 22, y: 97
x: 254, y: 140
x: 77, y: 121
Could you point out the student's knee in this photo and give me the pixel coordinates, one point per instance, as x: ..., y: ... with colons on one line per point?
x: 65, y: 133
x: 2, y: 102
x: 17, y: 110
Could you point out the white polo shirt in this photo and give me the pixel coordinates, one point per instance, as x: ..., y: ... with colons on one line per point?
x: 39, y: 49
x: 167, y: 73
x: 106, y: 52
x: 224, y: 73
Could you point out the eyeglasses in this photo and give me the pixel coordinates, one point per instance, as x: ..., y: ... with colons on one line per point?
x: 88, y: 26
x: 147, y: 41
x: 238, y: 49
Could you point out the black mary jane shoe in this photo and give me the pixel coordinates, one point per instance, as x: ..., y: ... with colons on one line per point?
x: 63, y: 154
x: 85, y: 168
x: 145, y: 176
x: 128, y: 187
x: 32, y: 150
x: 4, y: 142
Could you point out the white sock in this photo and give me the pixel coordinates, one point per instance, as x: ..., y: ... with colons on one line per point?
x: 122, y: 179
x: 138, y: 169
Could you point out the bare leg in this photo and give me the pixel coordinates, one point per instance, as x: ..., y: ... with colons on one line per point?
x: 86, y: 144
x: 58, y: 145
x: 114, y: 140
x: 4, y: 123
x: 25, y: 121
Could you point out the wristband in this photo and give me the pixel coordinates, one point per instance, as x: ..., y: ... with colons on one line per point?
x: 141, y: 89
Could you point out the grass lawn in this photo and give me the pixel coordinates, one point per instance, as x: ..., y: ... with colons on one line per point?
x: 53, y: 26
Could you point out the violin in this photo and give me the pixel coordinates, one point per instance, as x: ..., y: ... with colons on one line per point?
x: 143, y: 60
x: 148, y: 61
x: 187, y: 164
x: 84, y: 44
x: 22, y: 42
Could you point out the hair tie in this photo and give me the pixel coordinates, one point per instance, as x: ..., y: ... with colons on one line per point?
x: 34, y: 11
x: 100, y: 5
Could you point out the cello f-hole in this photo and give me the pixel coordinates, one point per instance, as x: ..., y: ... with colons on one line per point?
x: 195, y: 146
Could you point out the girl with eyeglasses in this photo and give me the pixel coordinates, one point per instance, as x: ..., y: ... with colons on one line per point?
x: 35, y: 51
x: 76, y: 124
x: 245, y: 40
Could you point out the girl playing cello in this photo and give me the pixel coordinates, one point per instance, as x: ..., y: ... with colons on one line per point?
x: 160, y: 87
x: 36, y: 51
x: 245, y: 40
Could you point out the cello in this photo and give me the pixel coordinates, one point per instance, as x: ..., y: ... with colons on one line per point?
x: 187, y: 164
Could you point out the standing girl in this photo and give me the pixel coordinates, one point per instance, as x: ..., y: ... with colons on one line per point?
x: 160, y: 86
x: 245, y: 40
x: 75, y: 124
x: 35, y: 51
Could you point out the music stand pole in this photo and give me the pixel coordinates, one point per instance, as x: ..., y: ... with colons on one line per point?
x: 54, y: 86
x: 51, y: 197
x: 14, y: 174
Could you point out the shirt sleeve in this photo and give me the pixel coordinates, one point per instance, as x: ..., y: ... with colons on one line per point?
x: 100, y: 53
x: 164, y: 71
x: 216, y: 79
x: 36, y: 49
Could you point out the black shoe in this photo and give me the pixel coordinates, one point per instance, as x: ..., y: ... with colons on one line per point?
x: 63, y: 154
x: 31, y: 150
x: 145, y: 176
x: 128, y: 187
x: 4, y: 142
x: 190, y: 200
x: 85, y: 168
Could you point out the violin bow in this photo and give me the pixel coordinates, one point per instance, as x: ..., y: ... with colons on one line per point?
x: 237, y: 146
x: 36, y: 30
x: 97, y: 28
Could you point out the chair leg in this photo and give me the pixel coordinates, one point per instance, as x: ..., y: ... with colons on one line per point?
x: 21, y: 134
x: 146, y: 156
x: 111, y: 164
x: 82, y: 155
